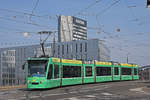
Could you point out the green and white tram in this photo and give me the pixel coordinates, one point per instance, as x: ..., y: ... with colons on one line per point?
x: 55, y: 72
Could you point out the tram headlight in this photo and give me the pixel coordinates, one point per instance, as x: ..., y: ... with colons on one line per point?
x: 40, y: 82
x: 29, y: 82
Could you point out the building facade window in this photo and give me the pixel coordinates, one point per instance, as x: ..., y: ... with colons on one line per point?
x: 67, y: 49
x: 85, y: 47
x: 58, y: 50
x: 80, y: 47
x: 76, y: 47
x: 62, y: 49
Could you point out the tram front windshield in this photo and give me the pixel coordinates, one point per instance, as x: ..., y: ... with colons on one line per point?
x: 37, y: 68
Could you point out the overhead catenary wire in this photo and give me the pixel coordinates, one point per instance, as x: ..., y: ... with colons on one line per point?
x: 15, y: 18
x: 33, y: 10
x: 131, y: 11
x: 18, y: 12
x: 23, y: 22
x: 17, y: 43
x: 10, y: 28
x: 28, y: 14
x: 136, y: 19
x: 107, y: 8
x: 102, y: 12
x: 88, y: 7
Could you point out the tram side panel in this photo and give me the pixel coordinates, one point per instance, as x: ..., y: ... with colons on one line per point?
x: 126, y: 72
x: 71, y: 73
x: 103, y: 71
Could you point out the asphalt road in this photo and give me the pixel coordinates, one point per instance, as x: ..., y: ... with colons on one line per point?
x: 125, y: 90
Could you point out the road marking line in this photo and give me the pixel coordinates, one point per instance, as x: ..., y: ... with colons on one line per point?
x: 73, y: 92
x: 34, y: 97
x: 139, y: 90
x: 106, y: 93
x: 85, y: 90
x: 22, y: 98
x: 136, y: 89
x: 73, y: 98
x: 97, y: 86
x: 90, y: 96
x: 54, y: 94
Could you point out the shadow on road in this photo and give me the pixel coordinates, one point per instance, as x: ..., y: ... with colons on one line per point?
x: 26, y: 89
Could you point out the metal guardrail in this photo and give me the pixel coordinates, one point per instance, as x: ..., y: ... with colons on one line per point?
x: 12, y: 87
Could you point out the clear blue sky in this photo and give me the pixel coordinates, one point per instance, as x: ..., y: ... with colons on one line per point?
x: 130, y: 16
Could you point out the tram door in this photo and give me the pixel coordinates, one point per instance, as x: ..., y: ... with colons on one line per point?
x: 116, y: 71
x: 56, y: 74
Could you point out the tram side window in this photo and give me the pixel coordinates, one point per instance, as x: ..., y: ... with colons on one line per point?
x: 88, y: 70
x: 103, y: 71
x: 116, y: 70
x: 50, y: 71
x: 126, y: 71
x: 56, y: 71
x: 135, y: 71
x: 71, y: 71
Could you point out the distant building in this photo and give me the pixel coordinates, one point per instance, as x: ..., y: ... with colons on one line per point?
x: 91, y: 49
x: 71, y: 28
x: 11, y: 61
x: 144, y: 72
x: 38, y: 51
x: 8, y: 63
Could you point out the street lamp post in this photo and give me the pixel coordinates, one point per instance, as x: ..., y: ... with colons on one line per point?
x: 54, y: 45
x: 127, y: 57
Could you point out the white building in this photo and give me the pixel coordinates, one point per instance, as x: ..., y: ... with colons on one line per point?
x: 91, y: 49
x: 71, y: 28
